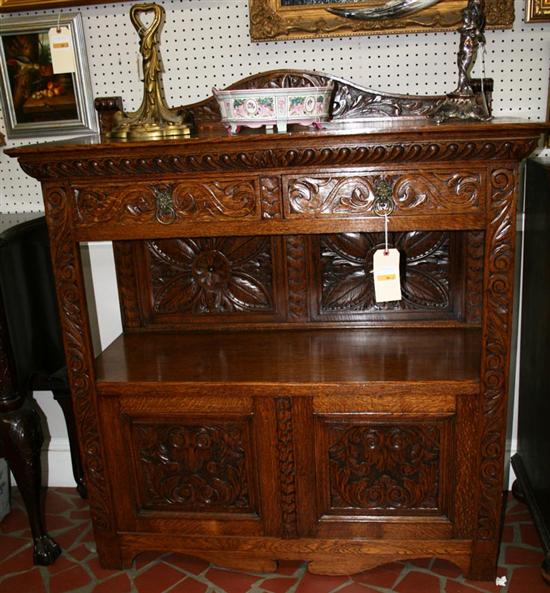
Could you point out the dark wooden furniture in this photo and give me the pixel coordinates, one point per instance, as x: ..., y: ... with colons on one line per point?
x: 531, y: 462
x: 31, y: 359
x: 259, y: 404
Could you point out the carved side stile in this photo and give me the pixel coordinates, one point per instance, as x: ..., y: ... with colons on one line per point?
x: 78, y: 348
x: 499, y: 279
x: 297, y: 277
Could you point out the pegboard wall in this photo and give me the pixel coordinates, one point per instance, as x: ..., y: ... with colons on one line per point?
x: 206, y: 43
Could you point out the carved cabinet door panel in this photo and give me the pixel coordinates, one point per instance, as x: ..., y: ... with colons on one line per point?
x: 191, y: 464
x: 403, y: 467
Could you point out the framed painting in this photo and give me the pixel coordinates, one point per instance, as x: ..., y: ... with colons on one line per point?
x: 35, y: 101
x: 277, y: 20
x: 537, y: 11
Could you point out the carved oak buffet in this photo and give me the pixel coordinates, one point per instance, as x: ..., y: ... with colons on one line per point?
x: 259, y: 405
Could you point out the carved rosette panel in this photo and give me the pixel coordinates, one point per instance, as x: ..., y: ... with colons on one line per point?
x: 346, y: 264
x: 191, y: 200
x: 384, y: 466
x: 411, y: 193
x: 297, y: 156
x: 297, y: 278
x: 475, y: 244
x: 193, y: 467
x: 287, y: 467
x: 212, y: 275
x: 499, y: 282
x: 74, y: 321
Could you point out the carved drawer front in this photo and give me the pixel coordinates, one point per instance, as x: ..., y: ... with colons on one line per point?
x: 167, y: 201
x: 402, y: 193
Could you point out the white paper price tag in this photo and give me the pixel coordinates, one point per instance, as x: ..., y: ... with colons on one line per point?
x: 387, y: 284
x: 62, y: 50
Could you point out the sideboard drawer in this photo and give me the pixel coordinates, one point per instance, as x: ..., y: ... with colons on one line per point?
x: 167, y: 201
x: 402, y: 193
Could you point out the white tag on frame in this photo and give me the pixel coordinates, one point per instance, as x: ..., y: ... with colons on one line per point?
x: 387, y: 284
x: 62, y: 50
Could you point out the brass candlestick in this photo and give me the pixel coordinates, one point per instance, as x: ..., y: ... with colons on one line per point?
x: 464, y: 103
x: 154, y: 119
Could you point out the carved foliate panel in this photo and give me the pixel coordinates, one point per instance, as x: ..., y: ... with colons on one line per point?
x: 412, y: 193
x: 346, y: 282
x: 384, y: 466
x: 218, y: 275
x: 201, y: 467
x: 148, y: 202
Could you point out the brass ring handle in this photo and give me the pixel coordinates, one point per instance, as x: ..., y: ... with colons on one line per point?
x: 383, y: 200
x: 165, y: 212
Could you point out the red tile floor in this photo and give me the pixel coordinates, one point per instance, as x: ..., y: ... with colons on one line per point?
x: 78, y: 570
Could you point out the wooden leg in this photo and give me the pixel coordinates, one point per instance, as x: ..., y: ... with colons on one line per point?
x: 545, y: 569
x: 518, y: 492
x: 63, y: 398
x: 21, y: 437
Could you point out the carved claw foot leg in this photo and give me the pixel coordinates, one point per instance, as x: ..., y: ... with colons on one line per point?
x: 46, y: 550
x: 21, y: 439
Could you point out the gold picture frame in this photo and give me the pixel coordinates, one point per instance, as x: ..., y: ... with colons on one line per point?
x: 16, y: 5
x: 278, y: 20
x: 537, y: 11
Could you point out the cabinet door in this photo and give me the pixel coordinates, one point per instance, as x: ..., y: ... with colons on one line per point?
x: 186, y: 464
x: 399, y: 467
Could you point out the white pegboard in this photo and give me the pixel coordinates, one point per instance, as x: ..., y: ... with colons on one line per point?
x: 206, y: 43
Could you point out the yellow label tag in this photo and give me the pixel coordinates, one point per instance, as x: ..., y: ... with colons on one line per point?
x: 387, y: 285
x: 62, y: 50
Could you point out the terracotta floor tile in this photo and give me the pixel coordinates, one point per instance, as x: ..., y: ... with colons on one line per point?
x: 67, y: 539
x: 455, y: 587
x: 357, y: 588
x: 22, y: 560
x: 26, y: 582
x: 157, y: 578
x: 99, y: 572
x: 486, y: 586
x: 189, y: 585
x: 446, y: 568
x: 418, y: 582
x: 421, y: 562
x: 523, y: 556
x: 381, y: 576
x: 278, y: 585
x: 230, y: 581
x: 79, y: 552
x: 69, y: 580
x: 527, y: 579
x: 313, y: 583
x: 10, y: 544
x: 56, y: 503
x: 145, y: 558
x: 16, y: 520
x: 118, y: 584
x: 529, y: 535
x: 61, y: 564
x: 508, y: 534
x: 83, y: 514
x: 187, y: 563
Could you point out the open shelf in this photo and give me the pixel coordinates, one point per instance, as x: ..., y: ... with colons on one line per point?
x: 138, y: 361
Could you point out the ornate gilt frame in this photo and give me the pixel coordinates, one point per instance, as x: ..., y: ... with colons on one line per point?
x: 269, y: 21
x: 15, y: 5
x: 537, y: 10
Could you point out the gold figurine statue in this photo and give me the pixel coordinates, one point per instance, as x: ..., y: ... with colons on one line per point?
x: 154, y: 119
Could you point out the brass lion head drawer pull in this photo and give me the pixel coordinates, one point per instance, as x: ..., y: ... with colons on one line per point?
x: 165, y: 212
x: 383, y: 200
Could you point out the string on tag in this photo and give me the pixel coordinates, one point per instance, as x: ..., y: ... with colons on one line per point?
x: 386, y: 234
x: 483, y: 54
x: 58, y: 28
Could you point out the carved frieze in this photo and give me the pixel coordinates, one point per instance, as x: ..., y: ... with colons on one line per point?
x: 384, y: 466
x: 346, y: 265
x: 187, y: 200
x: 212, y: 275
x: 253, y: 159
x: 193, y: 467
x: 412, y: 192
x: 287, y: 467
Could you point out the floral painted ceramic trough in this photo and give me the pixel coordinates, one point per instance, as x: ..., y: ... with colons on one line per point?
x: 274, y: 107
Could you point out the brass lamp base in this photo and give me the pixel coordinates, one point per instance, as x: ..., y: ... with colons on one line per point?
x: 128, y: 130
